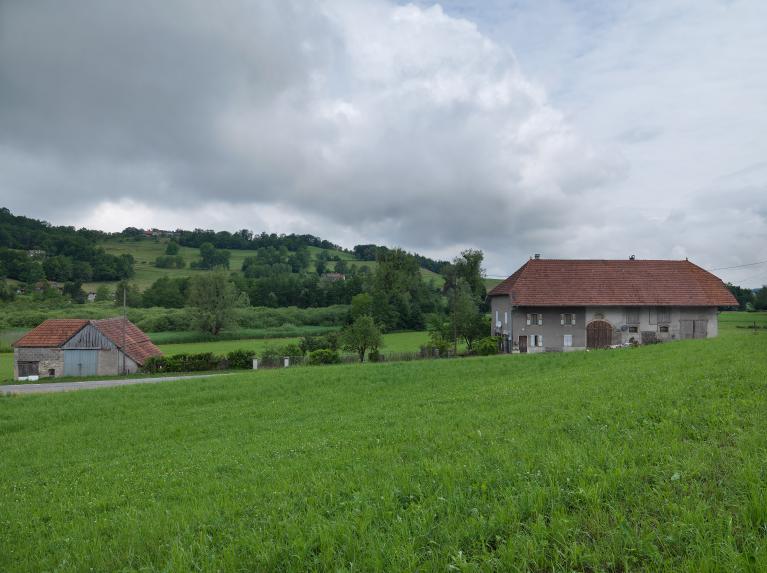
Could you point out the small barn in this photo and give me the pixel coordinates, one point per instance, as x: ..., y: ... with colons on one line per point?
x: 78, y: 347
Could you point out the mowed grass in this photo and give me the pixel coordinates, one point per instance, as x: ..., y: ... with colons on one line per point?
x: 650, y: 459
x: 394, y: 342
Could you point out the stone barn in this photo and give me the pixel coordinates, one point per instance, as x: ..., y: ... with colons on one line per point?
x: 77, y: 347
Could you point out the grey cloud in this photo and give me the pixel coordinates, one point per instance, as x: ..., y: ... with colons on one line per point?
x: 400, y: 124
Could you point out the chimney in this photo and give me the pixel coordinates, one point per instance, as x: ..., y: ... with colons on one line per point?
x: 632, y: 257
x: 537, y: 255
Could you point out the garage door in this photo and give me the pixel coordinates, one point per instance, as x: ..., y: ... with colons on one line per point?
x: 81, y: 362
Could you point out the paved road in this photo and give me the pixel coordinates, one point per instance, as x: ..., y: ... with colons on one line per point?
x: 89, y: 384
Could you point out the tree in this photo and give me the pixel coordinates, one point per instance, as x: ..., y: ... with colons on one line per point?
x: 467, y: 268
x: 760, y: 300
x: 743, y: 295
x: 213, y: 298
x: 103, y: 293
x: 466, y: 320
x: 172, y: 248
x: 74, y: 291
x: 7, y: 292
x: 166, y: 292
x: 211, y: 257
x: 361, y: 335
x: 362, y: 305
x: 128, y: 293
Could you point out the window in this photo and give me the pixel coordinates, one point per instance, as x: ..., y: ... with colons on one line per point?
x: 632, y: 316
x: 567, y: 319
x: 536, y: 340
x: 29, y: 369
x: 633, y: 329
x: 568, y: 340
x: 535, y: 319
x: 664, y: 315
x: 663, y: 328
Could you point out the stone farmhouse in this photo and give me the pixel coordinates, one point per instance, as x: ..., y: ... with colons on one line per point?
x: 77, y: 347
x: 564, y: 305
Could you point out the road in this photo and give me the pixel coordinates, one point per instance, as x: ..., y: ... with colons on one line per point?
x: 90, y: 384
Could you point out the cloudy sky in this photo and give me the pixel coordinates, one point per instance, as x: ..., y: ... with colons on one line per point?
x: 578, y: 129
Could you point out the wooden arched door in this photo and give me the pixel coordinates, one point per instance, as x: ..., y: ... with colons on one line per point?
x: 599, y: 334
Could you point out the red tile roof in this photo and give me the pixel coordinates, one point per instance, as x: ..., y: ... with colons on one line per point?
x: 55, y: 332
x: 52, y: 333
x: 556, y: 282
x: 137, y: 344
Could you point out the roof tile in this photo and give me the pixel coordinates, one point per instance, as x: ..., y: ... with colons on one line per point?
x: 557, y: 282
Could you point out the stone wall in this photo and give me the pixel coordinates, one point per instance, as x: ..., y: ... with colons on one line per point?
x: 50, y: 359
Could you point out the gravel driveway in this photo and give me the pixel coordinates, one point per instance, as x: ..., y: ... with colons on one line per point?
x: 89, y: 384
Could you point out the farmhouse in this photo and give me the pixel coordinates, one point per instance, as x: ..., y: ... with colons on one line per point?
x: 564, y: 305
x: 76, y: 347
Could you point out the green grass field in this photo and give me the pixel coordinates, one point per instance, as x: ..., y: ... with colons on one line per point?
x: 647, y: 459
x: 395, y: 342
x: 6, y: 366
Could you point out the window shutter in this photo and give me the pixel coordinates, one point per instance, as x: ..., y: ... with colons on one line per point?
x: 572, y: 316
x: 540, y: 340
x: 540, y: 319
x: 528, y: 319
x: 506, y: 317
x: 562, y: 319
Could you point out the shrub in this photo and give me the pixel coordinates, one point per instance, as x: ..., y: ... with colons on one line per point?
x: 324, y: 356
x: 486, y: 346
x: 375, y: 356
x: 240, y: 359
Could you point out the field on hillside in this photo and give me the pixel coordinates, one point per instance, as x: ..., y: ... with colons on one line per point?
x: 146, y: 251
x: 652, y: 459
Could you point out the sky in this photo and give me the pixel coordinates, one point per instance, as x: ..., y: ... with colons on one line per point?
x: 573, y: 129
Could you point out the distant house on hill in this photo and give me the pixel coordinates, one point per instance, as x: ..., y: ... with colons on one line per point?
x: 77, y: 347
x: 333, y: 277
x: 563, y: 305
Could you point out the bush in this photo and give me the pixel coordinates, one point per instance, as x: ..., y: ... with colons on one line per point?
x: 240, y: 359
x: 184, y: 363
x: 486, y: 346
x: 375, y: 356
x: 324, y: 356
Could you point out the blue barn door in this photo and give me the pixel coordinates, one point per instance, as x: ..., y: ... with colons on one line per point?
x: 81, y: 362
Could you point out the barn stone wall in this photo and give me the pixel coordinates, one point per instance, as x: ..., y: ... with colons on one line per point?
x: 50, y: 359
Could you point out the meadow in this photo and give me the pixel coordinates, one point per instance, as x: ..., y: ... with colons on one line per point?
x: 651, y: 459
x: 145, y: 251
x: 393, y: 342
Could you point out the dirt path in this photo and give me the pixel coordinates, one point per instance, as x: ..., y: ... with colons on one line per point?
x: 89, y: 384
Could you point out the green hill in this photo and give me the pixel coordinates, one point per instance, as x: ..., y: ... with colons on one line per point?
x: 145, y: 251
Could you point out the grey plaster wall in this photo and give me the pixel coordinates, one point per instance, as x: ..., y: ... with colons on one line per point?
x: 552, y: 330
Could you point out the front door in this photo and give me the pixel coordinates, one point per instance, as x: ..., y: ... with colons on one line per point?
x: 599, y: 334
x: 81, y: 362
x: 523, y: 344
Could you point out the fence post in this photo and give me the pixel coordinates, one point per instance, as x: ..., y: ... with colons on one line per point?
x: 255, y: 364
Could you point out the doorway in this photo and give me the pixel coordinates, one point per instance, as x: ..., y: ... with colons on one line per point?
x: 599, y: 334
x: 523, y: 344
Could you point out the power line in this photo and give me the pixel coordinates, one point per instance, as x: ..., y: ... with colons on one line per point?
x: 739, y: 266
